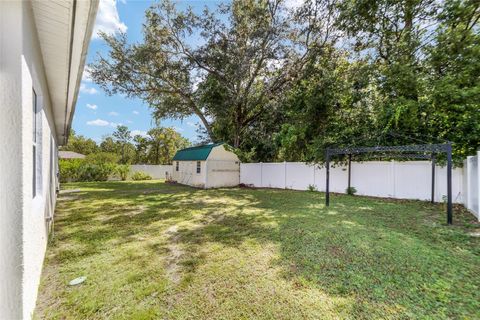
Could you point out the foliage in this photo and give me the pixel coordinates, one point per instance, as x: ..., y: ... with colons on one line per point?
x: 248, y: 249
x: 351, y: 191
x: 122, y: 170
x: 243, y: 65
x: 102, y: 157
x: 96, y: 172
x: 122, y: 137
x: 157, y: 147
x: 70, y: 169
x: 95, y: 167
x: 312, y: 187
x: 139, y: 176
x: 161, y: 144
x: 275, y: 81
x: 80, y: 144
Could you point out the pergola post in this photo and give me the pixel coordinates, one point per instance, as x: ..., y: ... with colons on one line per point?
x: 449, y: 184
x: 418, y: 152
x: 327, y: 187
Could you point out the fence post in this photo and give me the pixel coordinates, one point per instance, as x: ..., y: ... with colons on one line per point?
x: 392, y: 177
x: 432, y: 200
x: 478, y: 184
x: 261, y: 174
x: 314, y: 182
x: 285, y: 174
x: 466, y: 176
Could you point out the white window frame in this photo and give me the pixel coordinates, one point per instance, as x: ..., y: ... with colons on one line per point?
x: 176, y: 166
x: 37, y: 176
x: 34, y: 143
x: 199, y: 167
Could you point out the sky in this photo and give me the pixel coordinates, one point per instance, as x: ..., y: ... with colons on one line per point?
x: 98, y: 114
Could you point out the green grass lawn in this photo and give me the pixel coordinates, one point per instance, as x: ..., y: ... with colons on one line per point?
x: 153, y: 250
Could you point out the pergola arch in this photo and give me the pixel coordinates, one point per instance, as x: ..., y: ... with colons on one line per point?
x: 417, y: 151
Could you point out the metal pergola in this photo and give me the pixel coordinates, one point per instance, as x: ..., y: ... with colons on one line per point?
x: 418, y: 151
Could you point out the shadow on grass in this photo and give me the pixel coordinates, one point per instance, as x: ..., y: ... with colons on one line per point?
x: 395, y: 254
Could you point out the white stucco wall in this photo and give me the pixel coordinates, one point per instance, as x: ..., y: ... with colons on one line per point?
x: 11, y: 169
x: 23, y: 227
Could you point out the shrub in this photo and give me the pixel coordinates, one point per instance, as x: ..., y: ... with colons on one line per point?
x: 351, y: 191
x: 139, y: 175
x: 122, y: 170
x: 96, y: 172
x: 69, y: 169
x: 312, y: 187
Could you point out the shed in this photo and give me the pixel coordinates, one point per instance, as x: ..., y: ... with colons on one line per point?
x: 207, y: 166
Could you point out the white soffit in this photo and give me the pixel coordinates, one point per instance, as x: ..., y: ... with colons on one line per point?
x: 64, y: 29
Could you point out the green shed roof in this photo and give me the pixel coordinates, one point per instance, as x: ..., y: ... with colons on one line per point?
x: 197, y: 153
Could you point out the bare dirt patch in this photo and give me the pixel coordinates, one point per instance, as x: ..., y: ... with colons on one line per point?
x: 174, y: 255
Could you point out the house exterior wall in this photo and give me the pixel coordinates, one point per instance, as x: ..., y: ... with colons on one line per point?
x: 23, y: 226
x: 187, y: 173
x: 11, y: 169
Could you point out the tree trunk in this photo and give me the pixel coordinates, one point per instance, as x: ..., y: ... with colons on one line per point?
x: 204, y: 121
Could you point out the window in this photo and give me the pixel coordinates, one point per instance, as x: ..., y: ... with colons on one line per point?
x: 176, y: 166
x: 34, y: 140
x: 198, y: 166
x: 36, y: 145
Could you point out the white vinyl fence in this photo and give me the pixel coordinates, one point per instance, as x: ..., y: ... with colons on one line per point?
x: 155, y: 171
x: 471, y: 184
x: 388, y: 179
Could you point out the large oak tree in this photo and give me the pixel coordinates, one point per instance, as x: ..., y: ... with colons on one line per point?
x: 248, y: 51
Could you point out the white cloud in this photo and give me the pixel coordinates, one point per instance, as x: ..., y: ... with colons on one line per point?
x: 108, y: 19
x: 86, y: 74
x: 178, y: 129
x: 98, y: 123
x: 135, y: 112
x: 138, y: 133
x: 114, y: 124
x: 129, y: 121
x: 85, y: 89
x: 92, y: 106
x: 113, y: 113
